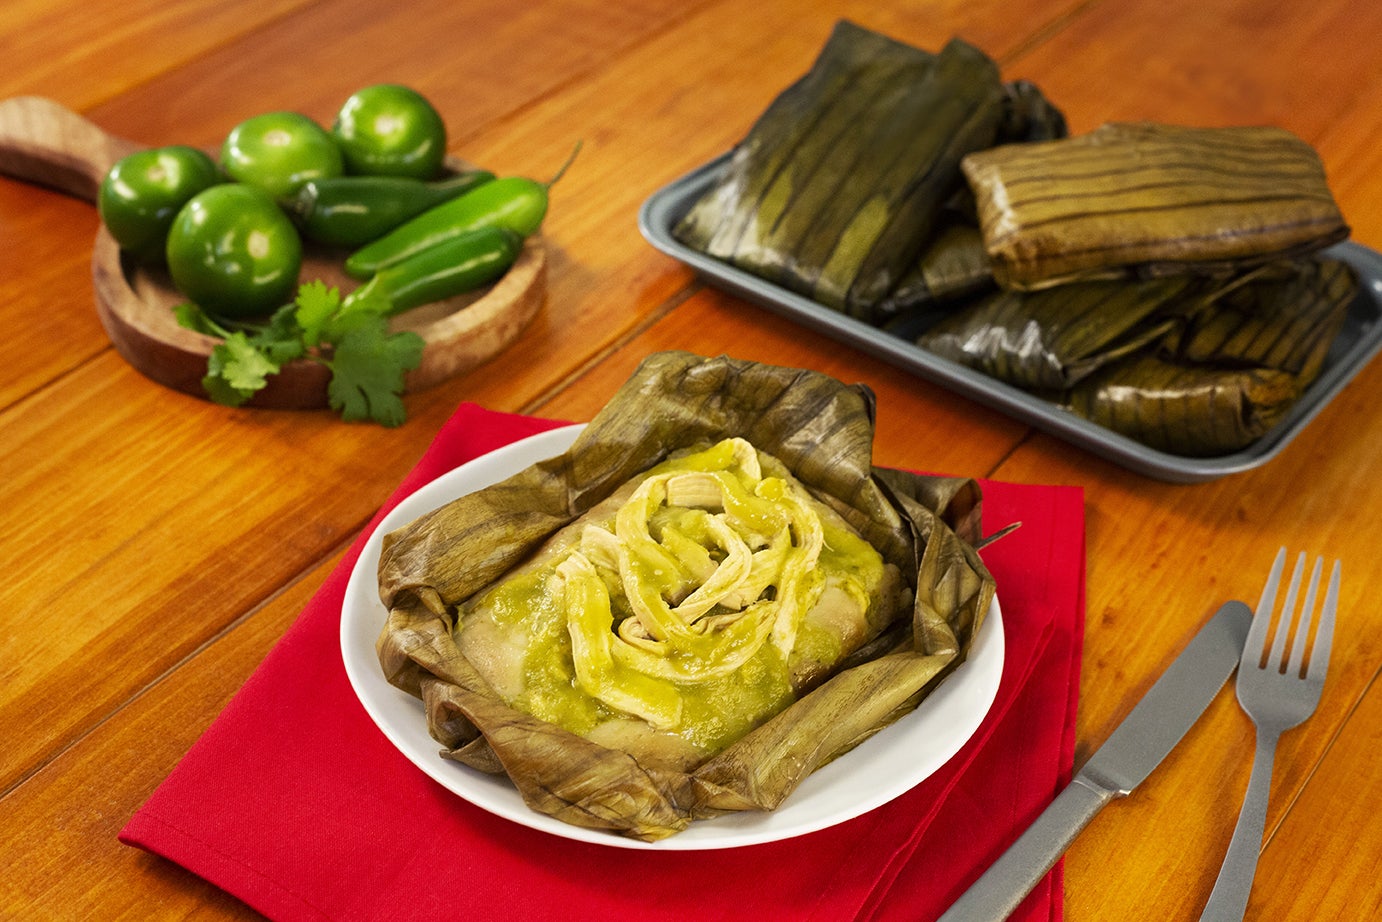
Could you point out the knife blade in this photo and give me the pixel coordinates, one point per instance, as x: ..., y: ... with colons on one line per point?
x: 1145, y: 737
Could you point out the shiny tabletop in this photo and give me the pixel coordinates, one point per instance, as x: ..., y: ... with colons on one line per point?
x: 155, y: 545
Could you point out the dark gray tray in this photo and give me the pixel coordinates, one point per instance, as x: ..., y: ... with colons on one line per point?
x: 1356, y: 344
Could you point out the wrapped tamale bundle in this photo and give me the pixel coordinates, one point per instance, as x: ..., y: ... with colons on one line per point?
x: 1234, y: 371
x: 837, y: 187
x: 1028, y: 115
x: 1285, y: 316
x: 1150, y: 199
x: 1190, y: 410
x: 1049, y: 340
x: 708, y: 596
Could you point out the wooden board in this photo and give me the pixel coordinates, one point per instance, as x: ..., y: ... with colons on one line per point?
x: 45, y: 143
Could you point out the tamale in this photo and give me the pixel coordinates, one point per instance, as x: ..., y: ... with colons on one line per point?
x: 697, y: 601
x: 836, y: 188
x: 1049, y: 340
x: 1235, y: 368
x: 436, y: 574
x: 1190, y: 410
x: 1285, y: 316
x: 1150, y: 199
x: 954, y: 265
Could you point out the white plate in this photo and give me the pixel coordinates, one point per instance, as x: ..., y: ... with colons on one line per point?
x: 881, y: 768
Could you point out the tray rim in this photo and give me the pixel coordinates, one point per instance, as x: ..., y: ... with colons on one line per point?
x: 660, y: 211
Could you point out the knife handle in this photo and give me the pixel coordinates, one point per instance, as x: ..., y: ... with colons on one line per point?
x: 1003, y: 886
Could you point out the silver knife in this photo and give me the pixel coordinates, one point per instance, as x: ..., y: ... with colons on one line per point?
x: 1145, y: 737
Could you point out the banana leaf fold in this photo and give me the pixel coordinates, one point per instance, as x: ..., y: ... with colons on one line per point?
x: 435, y: 570
x: 841, y: 183
x: 1285, y: 316
x: 951, y: 271
x: 1049, y: 340
x: 1224, y: 379
x: 1191, y: 410
x: 1150, y: 199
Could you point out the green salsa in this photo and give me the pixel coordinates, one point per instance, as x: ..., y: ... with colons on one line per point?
x: 689, y: 608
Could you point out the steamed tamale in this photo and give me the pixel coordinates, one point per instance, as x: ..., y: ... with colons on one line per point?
x: 461, y: 581
x: 837, y: 187
x: 1285, y: 316
x: 1150, y: 199
x: 1234, y: 370
x: 954, y: 265
x: 697, y: 601
x: 1049, y: 340
x: 1190, y: 410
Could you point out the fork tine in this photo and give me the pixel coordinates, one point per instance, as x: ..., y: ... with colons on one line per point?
x: 1303, y: 619
x: 1255, y: 647
x: 1324, y: 634
x: 1277, y: 660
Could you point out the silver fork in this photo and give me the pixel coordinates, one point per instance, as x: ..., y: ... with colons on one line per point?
x: 1277, y: 697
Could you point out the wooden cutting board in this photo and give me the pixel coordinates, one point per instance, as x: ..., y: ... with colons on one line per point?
x: 44, y: 143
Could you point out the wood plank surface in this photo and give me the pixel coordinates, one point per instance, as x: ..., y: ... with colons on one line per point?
x: 208, y: 513
x: 82, y: 56
x: 157, y: 545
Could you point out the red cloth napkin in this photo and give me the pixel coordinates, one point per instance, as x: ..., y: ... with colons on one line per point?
x: 297, y: 804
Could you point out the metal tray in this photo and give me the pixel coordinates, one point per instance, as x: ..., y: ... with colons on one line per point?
x: 1358, y: 341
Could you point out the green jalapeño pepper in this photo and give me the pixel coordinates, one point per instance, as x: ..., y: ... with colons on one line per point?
x: 462, y: 263
x: 350, y: 211
x: 514, y: 203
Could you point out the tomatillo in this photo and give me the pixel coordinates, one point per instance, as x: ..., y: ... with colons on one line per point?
x: 279, y: 151
x: 142, y: 193
x: 390, y: 130
x: 234, y: 252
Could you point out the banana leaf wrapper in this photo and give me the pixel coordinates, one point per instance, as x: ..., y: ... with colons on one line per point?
x: 1234, y: 373
x: 1284, y: 316
x: 822, y: 432
x: 1190, y: 410
x: 1030, y: 116
x: 1050, y: 340
x: 1150, y: 199
x: 837, y: 187
x: 951, y: 272
x: 954, y: 265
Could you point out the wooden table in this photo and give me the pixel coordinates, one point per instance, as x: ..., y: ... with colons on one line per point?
x: 156, y: 545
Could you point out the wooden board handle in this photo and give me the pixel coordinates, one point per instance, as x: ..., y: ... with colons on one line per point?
x: 43, y: 142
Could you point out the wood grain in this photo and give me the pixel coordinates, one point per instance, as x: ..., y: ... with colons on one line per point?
x: 57, y: 48
x: 156, y: 545
x: 130, y: 753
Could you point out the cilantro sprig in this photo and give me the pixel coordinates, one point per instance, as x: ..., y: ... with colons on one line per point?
x: 352, y: 338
